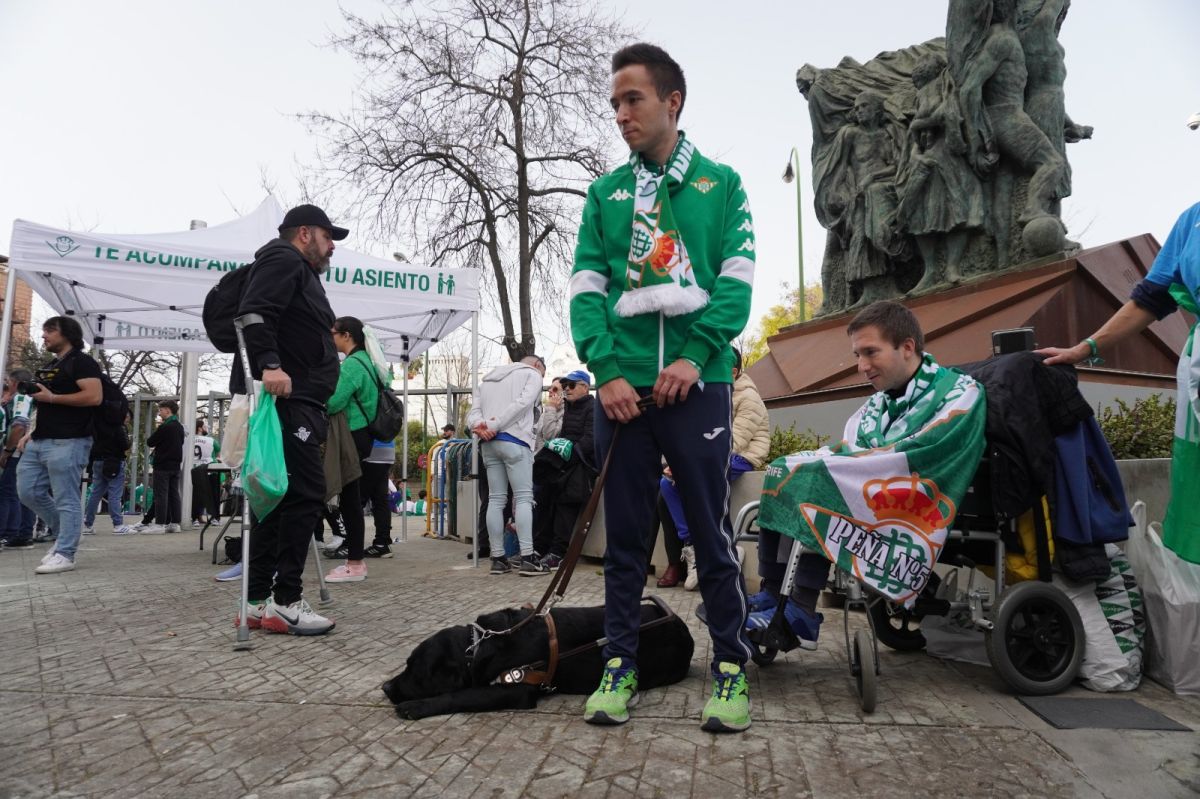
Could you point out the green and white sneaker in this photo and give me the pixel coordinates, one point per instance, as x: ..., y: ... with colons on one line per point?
x: 617, y: 693
x: 728, y: 709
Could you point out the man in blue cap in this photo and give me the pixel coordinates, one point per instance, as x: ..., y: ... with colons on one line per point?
x: 564, y: 470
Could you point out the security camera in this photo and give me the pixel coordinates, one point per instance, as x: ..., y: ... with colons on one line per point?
x: 1193, y: 121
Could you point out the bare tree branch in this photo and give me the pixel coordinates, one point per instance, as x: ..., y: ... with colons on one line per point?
x: 477, y: 128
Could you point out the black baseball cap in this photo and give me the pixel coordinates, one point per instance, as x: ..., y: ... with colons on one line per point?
x: 312, y: 216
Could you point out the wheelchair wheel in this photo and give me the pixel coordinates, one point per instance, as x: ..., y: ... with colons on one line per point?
x: 862, y: 665
x: 896, y: 626
x: 1038, y: 640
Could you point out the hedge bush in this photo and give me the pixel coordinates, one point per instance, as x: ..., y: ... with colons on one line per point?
x: 1142, y: 430
x: 786, y: 442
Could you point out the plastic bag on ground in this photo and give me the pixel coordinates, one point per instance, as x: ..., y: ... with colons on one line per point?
x: 1114, y: 625
x: 1171, y: 592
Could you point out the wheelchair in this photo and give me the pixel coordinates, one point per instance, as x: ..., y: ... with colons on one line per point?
x: 1033, y: 634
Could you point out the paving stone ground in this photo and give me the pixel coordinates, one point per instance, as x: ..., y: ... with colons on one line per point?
x: 121, y: 680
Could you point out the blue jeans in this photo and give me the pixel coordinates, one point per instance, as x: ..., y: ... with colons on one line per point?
x: 48, y: 481
x: 111, y: 487
x: 16, y: 520
x: 508, y: 463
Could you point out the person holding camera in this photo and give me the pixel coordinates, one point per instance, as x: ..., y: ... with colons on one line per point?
x: 66, y: 391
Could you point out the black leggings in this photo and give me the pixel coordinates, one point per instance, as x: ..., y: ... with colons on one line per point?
x: 351, y: 500
x: 375, y: 488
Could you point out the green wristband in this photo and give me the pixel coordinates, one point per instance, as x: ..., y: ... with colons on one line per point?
x: 1094, y: 359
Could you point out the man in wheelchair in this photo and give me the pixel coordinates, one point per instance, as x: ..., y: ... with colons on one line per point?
x: 880, y: 502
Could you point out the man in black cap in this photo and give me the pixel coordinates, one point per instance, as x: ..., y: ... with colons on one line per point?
x: 288, y: 340
x: 448, y: 431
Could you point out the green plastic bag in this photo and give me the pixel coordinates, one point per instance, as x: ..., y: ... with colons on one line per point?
x: 264, y: 472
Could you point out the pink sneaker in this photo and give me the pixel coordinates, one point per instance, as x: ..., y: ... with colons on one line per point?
x: 347, y: 573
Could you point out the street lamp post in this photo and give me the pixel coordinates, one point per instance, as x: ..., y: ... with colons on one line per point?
x: 792, y: 174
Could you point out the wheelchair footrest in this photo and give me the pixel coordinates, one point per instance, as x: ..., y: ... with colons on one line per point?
x: 774, y: 636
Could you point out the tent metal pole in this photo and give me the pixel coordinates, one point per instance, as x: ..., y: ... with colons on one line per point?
x: 475, y: 441
x: 148, y: 429
x: 10, y: 296
x: 188, y: 391
x: 133, y: 450
x: 404, y: 452
x: 187, y: 418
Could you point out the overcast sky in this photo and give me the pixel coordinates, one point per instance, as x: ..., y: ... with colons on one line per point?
x: 139, y: 116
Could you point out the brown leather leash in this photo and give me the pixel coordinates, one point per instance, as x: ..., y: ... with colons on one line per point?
x: 531, y: 675
x: 562, y: 577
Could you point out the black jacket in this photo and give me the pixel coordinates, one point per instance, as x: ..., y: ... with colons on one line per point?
x: 167, y: 442
x: 577, y: 427
x: 1028, y: 404
x: 109, y: 441
x: 571, y: 481
x: 286, y: 291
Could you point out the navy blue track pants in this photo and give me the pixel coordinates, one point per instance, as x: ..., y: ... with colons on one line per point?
x: 695, y: 437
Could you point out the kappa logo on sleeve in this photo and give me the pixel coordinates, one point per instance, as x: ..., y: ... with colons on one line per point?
x: 620, y: 195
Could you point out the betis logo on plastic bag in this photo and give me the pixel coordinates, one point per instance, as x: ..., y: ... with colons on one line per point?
x: 893, y: 552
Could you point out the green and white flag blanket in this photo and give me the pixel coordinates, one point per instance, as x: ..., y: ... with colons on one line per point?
x: 659, y: 275
x: 880, y: 503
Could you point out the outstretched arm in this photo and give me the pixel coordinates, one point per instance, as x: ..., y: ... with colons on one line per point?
x: 1130, y: 319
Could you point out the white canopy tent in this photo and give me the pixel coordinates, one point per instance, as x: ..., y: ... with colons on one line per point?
x: 146, y: 291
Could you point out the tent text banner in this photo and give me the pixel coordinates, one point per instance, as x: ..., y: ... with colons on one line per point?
x: 146, y: 291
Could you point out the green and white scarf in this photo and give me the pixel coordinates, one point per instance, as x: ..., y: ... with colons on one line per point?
x: 659, y: 275
x: 879, y: 504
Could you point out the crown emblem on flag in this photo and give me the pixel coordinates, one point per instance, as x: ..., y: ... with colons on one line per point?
x: 909, y: 499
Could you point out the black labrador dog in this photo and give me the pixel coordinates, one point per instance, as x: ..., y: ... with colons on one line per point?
x: 445, y: 675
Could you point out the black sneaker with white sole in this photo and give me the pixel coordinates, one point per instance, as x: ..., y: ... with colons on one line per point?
x: 378, y: 551
x: 532, y: 567
x: 500, y: 566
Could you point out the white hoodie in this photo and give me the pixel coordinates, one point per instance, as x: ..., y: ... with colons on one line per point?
x: 505, y: 400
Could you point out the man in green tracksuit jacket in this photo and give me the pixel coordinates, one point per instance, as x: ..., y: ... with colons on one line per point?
x: 662, y: 279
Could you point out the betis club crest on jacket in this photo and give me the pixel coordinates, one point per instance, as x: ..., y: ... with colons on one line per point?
x: 659, y: 274
x: 893, y: 552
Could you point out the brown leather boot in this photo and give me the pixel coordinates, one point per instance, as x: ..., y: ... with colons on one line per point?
x: 672, y: 577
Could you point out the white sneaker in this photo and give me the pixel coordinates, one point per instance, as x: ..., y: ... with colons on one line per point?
x: 56, y: 563
x: 125, y: 529
x: 50, y: 553
x: 334, y: 543
x: 174, y: 528
x: 88, y: 530
x: 152, y: 529
x: 692, y: 581
x: 297, y: 618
